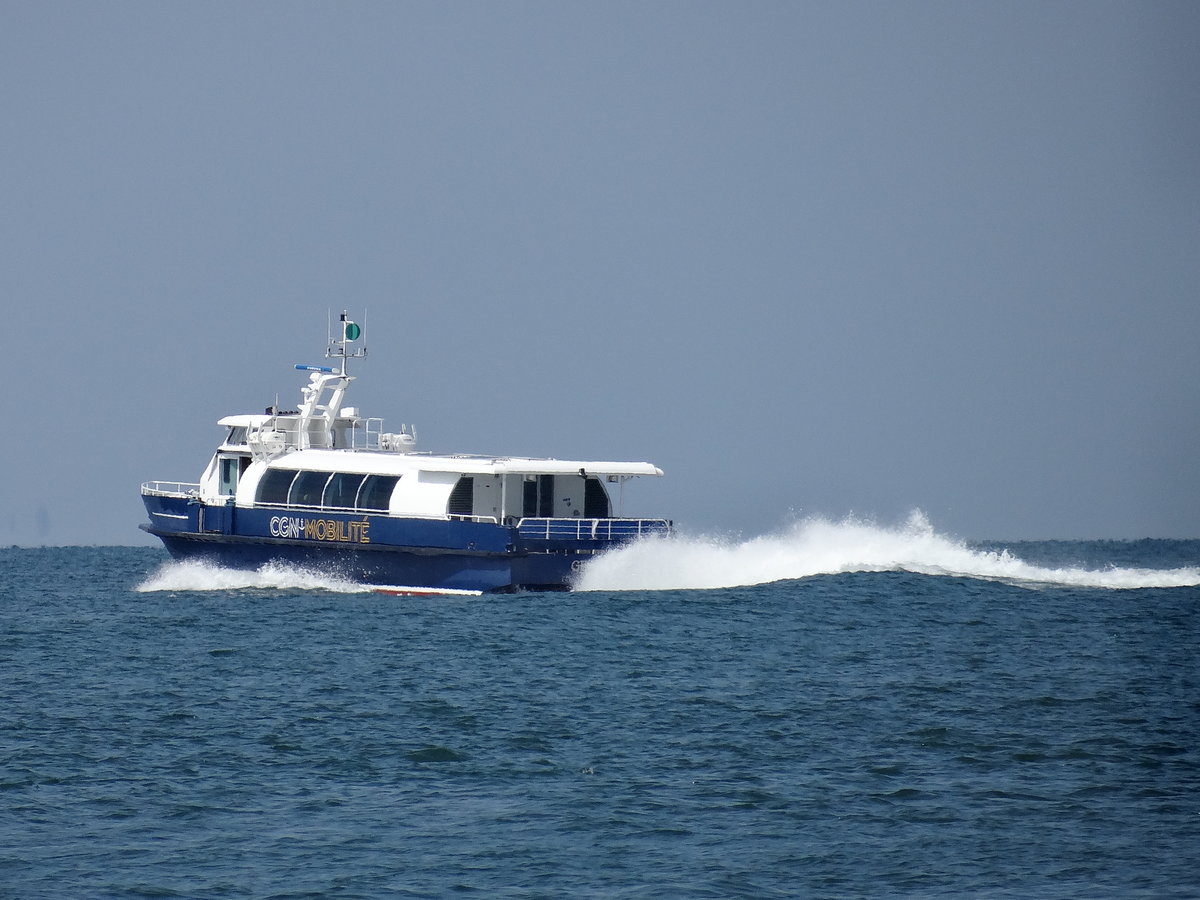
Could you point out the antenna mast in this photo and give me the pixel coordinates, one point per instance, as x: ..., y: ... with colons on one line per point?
x: 338, y: 347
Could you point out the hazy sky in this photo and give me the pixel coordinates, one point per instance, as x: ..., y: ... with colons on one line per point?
x: 810, y: 258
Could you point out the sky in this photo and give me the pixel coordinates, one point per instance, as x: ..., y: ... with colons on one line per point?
x: 811, y: 258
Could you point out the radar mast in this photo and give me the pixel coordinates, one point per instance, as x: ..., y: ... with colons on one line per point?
x: 338, y: 348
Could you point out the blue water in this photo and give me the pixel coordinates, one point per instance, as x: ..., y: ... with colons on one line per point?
x: 168, y: 730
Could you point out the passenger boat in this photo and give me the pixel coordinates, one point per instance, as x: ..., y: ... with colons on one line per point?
x: 325, y: 488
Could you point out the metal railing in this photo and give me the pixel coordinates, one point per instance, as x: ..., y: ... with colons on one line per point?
x: 365, y: 433
x: 590, y: 529
x: 170, y: 488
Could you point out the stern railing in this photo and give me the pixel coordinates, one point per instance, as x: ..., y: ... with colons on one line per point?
x: 590, y: 529
x: 170, y: 489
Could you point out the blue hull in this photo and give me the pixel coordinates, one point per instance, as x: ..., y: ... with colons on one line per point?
x: 380, y: 566
x: 449, y: 554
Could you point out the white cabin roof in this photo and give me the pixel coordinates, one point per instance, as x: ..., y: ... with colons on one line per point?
x: 383, y: 463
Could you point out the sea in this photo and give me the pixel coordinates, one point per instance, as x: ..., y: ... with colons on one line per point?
x: 836, y: 709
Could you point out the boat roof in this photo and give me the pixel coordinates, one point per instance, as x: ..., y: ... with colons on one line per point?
x: 382, y: 463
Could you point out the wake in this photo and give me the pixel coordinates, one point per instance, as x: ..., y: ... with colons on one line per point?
x: 806, y: 548
x: 196, y: 575
x: 822, y: 547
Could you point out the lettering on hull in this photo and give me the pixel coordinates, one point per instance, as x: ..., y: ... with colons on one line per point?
x: 303, y: 528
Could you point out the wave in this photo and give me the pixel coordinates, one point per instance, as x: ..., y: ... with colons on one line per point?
x: 819, y: 546
x: 197, y: 575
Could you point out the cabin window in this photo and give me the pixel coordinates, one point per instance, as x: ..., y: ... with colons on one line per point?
x: 462, y: 498
x: 595, y: 500
x: 228, y: 475
x: 342, y: 490
x: 376, y: 491
x: 274, y: 485
x: 237, y: 435
x: 307, y: 489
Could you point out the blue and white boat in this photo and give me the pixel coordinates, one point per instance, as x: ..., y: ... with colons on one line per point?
x: 326, y: 488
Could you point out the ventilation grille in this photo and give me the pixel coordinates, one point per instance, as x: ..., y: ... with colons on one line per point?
x: 462, y: 498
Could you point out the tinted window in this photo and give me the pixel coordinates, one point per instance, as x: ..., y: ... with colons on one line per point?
x: 273, y: 488
x: 376, y: 491
x: 307, y: 489
x: 342, y: 490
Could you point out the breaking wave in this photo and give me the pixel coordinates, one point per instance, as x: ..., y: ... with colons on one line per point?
x: 819, y: 546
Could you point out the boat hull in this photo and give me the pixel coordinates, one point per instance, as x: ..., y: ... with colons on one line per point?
x: 450, y: 554
x: 378, y: 566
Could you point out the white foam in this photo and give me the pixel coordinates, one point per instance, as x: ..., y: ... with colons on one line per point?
x: 819, y: 546
x: 196, y: 575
